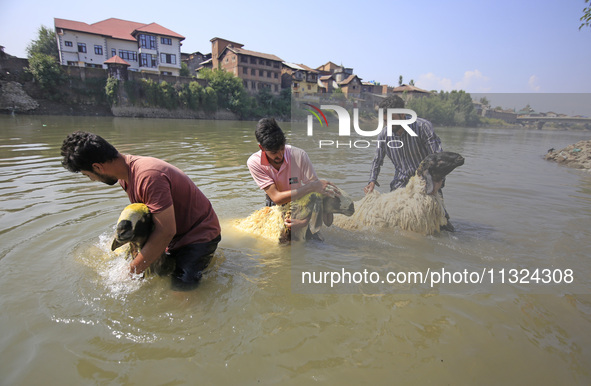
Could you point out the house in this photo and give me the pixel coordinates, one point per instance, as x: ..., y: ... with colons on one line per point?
x: 195, y: 61
x: 372, y: 87
x: 410, y: 91
x: 300, y: 78
x: 351, y: 86
x: 257, y: 70
x: 326, y: 84
x: 148, y: 48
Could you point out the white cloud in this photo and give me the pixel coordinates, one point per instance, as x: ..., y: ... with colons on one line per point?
x: 472, y: 81
x: 534, y: 83
x: 431, y: 81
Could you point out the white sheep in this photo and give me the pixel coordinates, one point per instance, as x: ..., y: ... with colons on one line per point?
x: 415, y: 208
x: 269, y: 222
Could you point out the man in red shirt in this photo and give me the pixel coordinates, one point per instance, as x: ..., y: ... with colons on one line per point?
x: 185, y: 225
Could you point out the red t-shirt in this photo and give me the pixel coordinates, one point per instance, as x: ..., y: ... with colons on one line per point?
x: 159, y: 185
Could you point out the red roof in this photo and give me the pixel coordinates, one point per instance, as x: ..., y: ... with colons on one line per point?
x: 116, y: 28
x: 116, y: 60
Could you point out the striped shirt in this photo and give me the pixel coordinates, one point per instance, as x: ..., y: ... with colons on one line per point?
x: 407, y: 158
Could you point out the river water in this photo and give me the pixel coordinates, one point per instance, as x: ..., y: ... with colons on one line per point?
x: 70, y: 314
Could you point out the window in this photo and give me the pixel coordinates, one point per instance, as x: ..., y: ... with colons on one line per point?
x: 72, y: 63
x: 245, y: 70
x: 243, y: 59
x: 253, y: 60
x: 276, y: 76
x: 167, y: 41
x: 268, y: 74
x: 261, y: 73
x: 168, y: 58
x: 148, y: 41
x: 82, y: 47
x: 253, y: 72
x: 68, y: 44
x: 98, y: 50
x: 147, y: 60
x: 113, y: 52
x: 128, y: 55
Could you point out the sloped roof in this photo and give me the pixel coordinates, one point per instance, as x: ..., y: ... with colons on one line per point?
x: 308, y: 68
x: 293, y: 66
x: 406, y: 87
x: 349, y: 79
x: 242, y: 51
x: 116, y: 28
x: 116, y: 60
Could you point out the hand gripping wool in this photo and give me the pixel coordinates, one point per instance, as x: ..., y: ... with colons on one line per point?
x: 415, y: 208
x: 315, y: 208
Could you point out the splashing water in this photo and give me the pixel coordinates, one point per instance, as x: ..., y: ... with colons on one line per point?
x: 112, y: 267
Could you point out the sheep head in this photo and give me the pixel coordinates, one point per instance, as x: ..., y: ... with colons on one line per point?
x: 319, y: 209
x: 435, y: 167
x: 133, y: 226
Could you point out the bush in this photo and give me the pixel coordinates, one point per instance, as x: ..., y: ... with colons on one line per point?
x: 47, y: 73
x: 111, y: 90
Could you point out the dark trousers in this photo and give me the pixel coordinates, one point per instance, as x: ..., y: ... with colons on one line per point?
x: 190, y: 261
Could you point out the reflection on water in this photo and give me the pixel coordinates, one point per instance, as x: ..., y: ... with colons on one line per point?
x: 70, y: 312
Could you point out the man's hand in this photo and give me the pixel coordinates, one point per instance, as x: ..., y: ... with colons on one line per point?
x: 369, y: 188
x: 291, y: 222
x: 163, y: 232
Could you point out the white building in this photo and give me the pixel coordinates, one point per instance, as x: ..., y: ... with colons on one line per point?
x: 146, y: 47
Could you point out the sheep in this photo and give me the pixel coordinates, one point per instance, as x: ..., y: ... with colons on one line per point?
x: 134, y: 227
x: 269, y: 222
x: 418, y: 207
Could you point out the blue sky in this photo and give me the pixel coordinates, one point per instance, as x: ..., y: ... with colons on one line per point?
x: 478, y: 46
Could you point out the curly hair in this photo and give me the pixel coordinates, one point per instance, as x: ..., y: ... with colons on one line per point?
x: 392, y: 102
x: 80, y: 150
x: 269, y: 134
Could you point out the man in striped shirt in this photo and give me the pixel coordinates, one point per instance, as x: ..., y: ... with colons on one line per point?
x: 406, y: 159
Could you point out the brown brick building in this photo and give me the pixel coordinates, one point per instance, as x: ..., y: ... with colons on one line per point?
x: 257, y: 70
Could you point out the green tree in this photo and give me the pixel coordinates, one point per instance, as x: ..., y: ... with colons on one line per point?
x: 47, y: 73
x: 586, y: 18
x: 400, y: 80
x: 45, y: 43
x: 196, y: 92
x: 111, y: 90
x: 168, y: 96
x: 453, y: 108
x: 229, y: 88
x: 184, y: 70
x: 210, y: 100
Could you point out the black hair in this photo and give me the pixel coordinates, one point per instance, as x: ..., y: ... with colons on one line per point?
x: 392, y: 102
x: 80, y: 150
x: 269, y: 134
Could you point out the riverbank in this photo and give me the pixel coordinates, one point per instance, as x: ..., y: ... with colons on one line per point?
x: 576, y: 156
